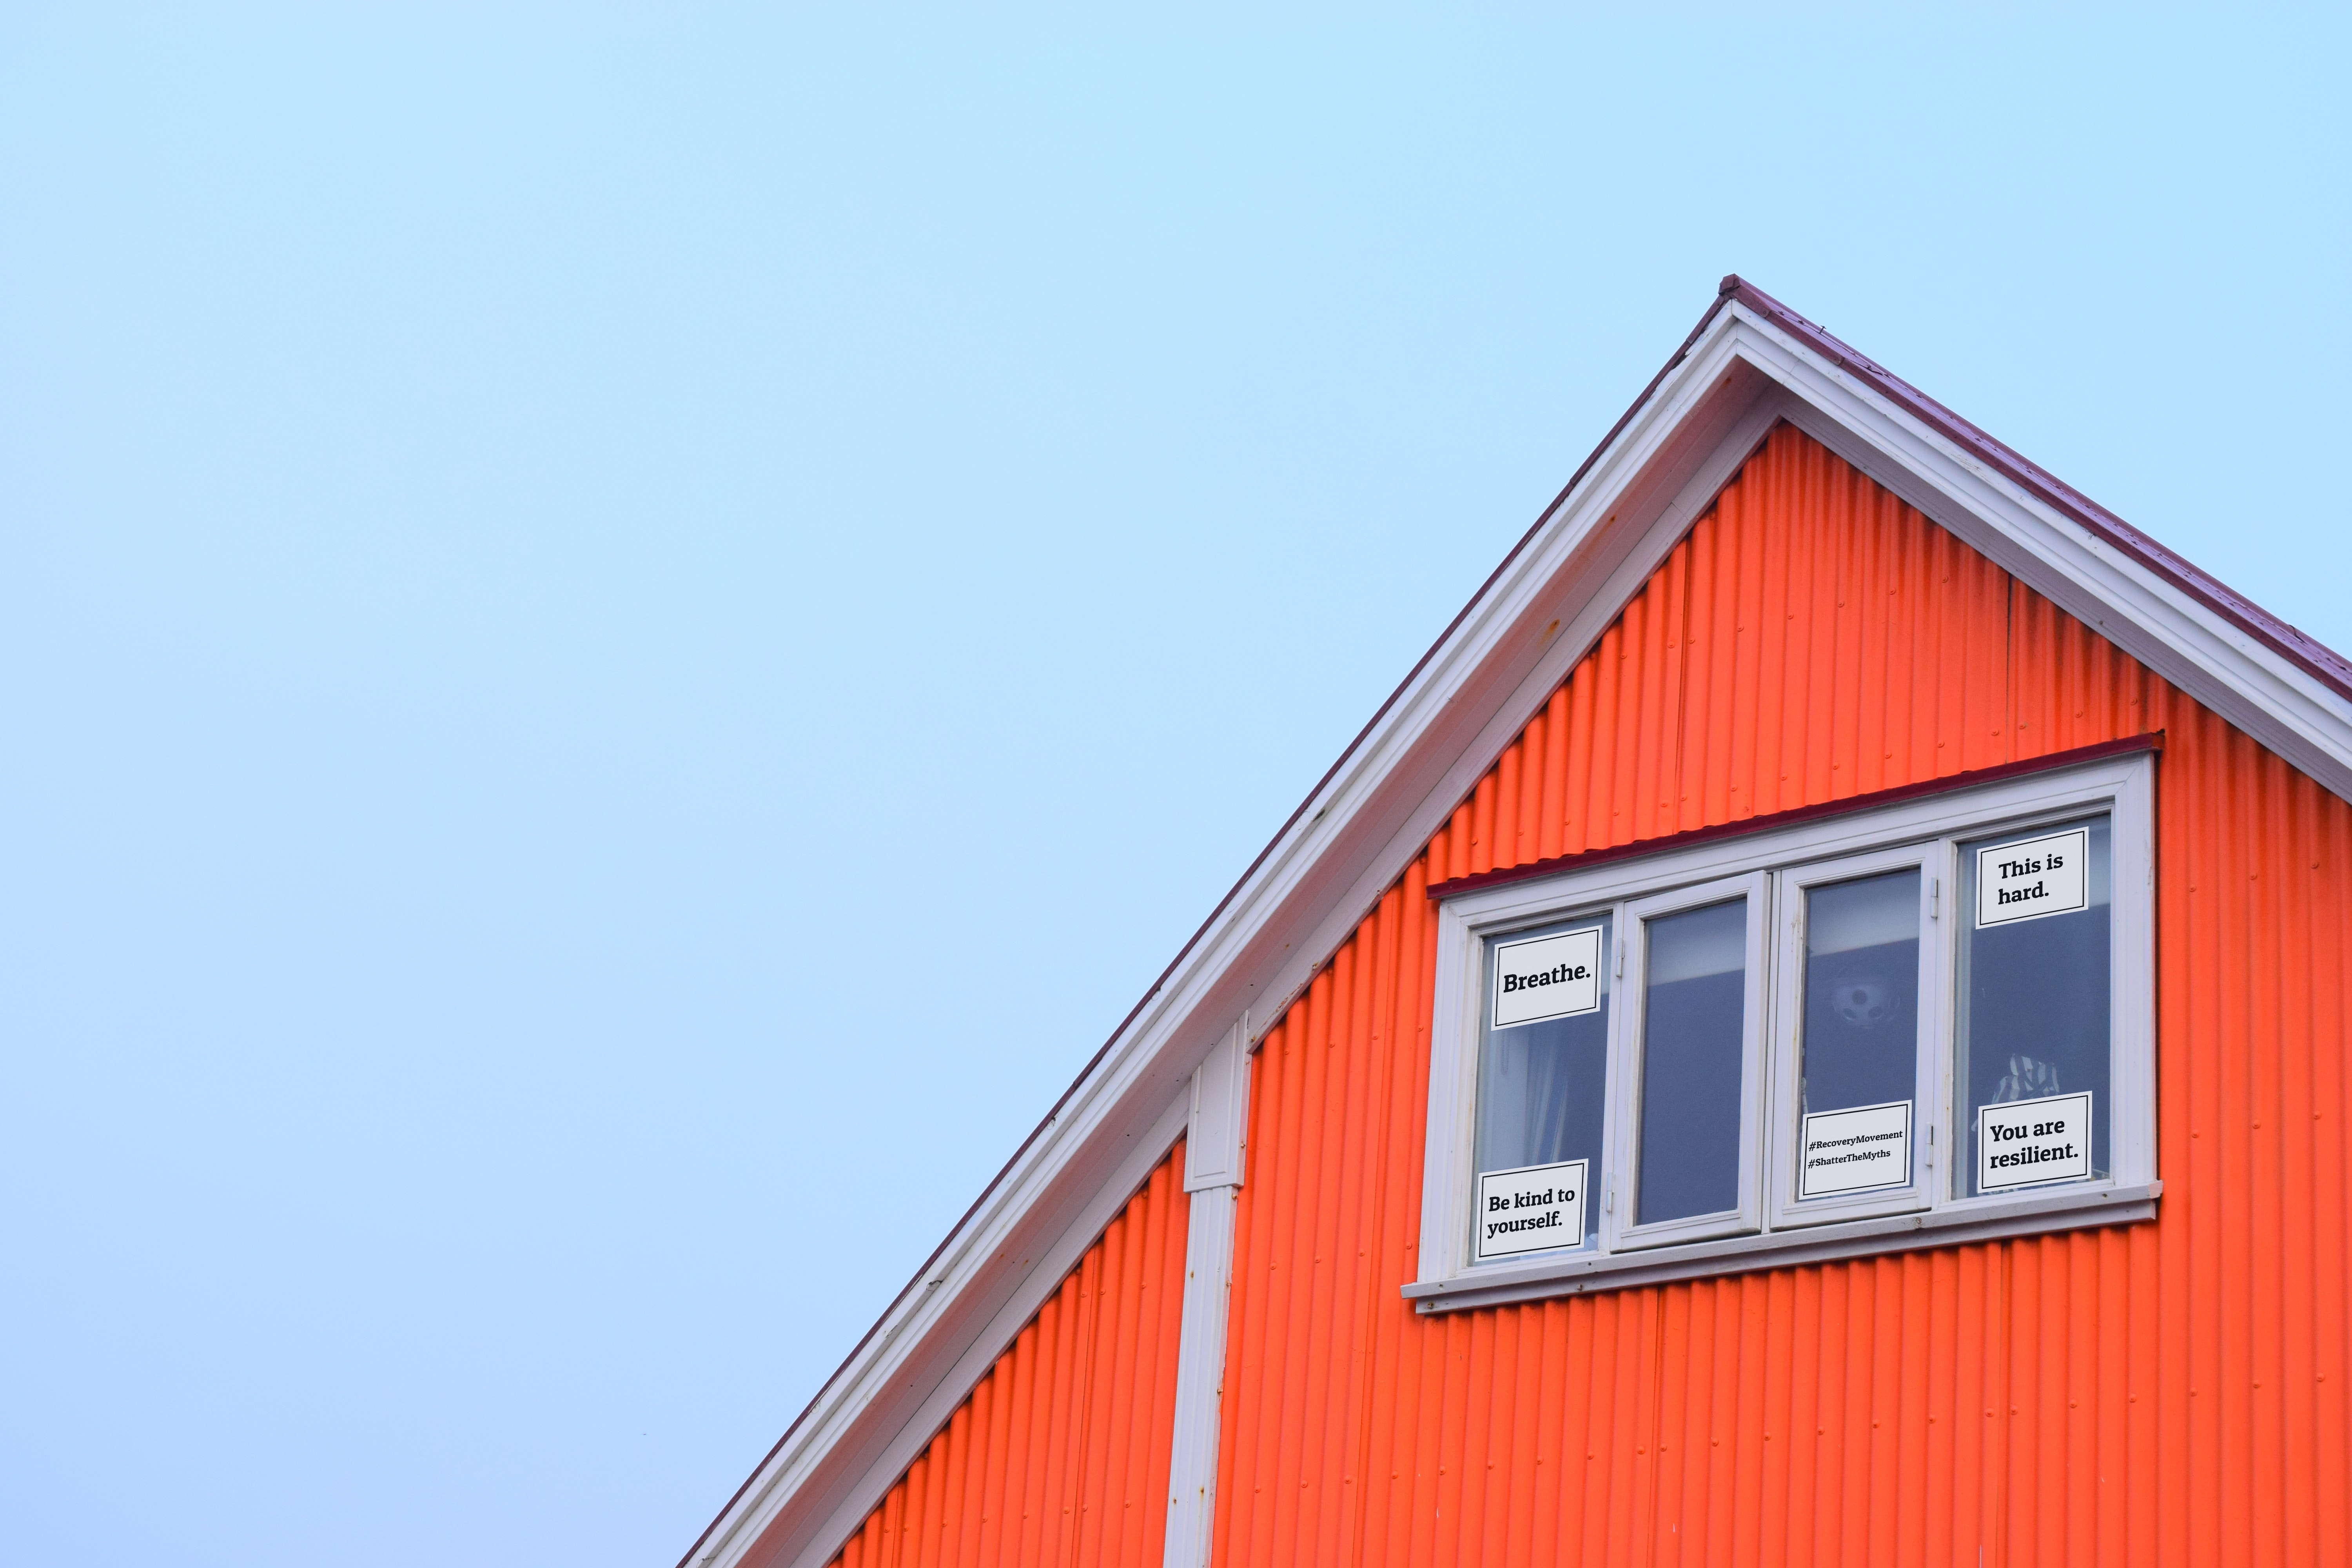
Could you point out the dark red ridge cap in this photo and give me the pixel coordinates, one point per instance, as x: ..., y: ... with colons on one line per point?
x: 1559, y: 865
x: 2290, y: 641
x: 2314, y: 655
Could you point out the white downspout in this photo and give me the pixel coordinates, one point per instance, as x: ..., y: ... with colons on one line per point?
x: 1213, y: 1174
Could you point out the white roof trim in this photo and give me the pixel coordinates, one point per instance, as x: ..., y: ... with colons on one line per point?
x: 1539, y: 613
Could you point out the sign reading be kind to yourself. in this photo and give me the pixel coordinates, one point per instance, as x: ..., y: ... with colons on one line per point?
x: 1529, y: 1210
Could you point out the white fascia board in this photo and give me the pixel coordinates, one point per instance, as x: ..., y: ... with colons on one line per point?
x: 1548, y: 603
x: 2158, y: 623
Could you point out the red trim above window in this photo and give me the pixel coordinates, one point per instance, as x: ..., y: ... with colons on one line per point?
x: 2151, y: 741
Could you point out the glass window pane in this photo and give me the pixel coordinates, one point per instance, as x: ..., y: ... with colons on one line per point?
x: 1543, y: 1081
x: 1694, y: 1027
x: 2034, y: 1029
x: 1861, y: 1055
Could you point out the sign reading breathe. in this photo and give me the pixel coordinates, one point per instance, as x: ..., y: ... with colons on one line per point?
x: 2039, y: 877
x: 1549, y: 977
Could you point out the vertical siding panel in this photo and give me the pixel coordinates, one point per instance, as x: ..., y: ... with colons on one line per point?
x: 1036, y: 1418
x: 1338, y: 1290
x: 2331, y: 1215
x: 997, y: 1394
x: 1937, y: 1541
x: 1506, y: 803
x: 1671, y: 1428
x: 1654, y: 679
x: 1618, y: 715
x: 1576, y: 826
x: 1817, y: 1426
x: 1698, y: 781
x: 1551, y: 798
x: 2297, y: 1246
x: 1743, y: 768
x: 1513, y: 1509
x: 1295, y: 1468
x: 1283, y: 1297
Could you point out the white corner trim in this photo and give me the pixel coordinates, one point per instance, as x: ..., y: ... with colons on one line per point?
x: 1214, y: 1140
x: 1199, y: 1379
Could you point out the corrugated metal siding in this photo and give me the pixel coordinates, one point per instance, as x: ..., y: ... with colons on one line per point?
x: 1060, y: 1454
x: 2169, y: 1393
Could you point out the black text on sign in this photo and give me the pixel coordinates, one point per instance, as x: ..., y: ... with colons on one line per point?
x: 1855, y: 1150
x: 2038, y: 876
x: 1546, y: 977
x: 1529, y: 1210
x: 2025, y: 1143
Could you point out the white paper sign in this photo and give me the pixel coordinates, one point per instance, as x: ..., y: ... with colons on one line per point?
x: 1856, y: 1151
x: 1549, y: 977
x: 2025, y: 1143
x: 2039, y: 877
x: 1532, y: 1209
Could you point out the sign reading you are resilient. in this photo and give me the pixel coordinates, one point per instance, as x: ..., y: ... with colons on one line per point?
x: 2024, y: 1142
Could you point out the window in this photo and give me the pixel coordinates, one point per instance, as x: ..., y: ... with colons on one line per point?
x: 1899, y: 1022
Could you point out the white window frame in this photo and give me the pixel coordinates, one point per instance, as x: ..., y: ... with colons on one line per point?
x: 1619, y: 1230
x: 1932, y: 859
x: 1925, y: 828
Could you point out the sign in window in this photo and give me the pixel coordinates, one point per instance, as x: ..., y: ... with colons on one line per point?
x: 2029, y: 1142
x: 1530, y: 1210
x: 2038, y: 876
x: 1856, y: 1151
x: 1549, y: 977
x: 2036, y: 1013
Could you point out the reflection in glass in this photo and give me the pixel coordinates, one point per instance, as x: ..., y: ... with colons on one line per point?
x: 1860, y: 992
x: 1542, y: 1087
x: 2035, y: 998
x: 1692, y: 1046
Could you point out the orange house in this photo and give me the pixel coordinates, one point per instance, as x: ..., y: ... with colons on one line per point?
x: 1811, y: 1029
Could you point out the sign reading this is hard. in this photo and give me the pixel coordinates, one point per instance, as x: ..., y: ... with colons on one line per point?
x: 2038, y: 876
x: 1529, y: 1210
x: 1546, y: 977
x: 2024, y: 1142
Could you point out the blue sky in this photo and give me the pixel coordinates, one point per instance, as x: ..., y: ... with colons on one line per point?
x: 541, y: 554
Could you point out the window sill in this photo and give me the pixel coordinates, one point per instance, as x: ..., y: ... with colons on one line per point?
x: 1978, y: 1220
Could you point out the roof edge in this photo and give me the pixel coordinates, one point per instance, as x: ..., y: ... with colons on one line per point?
x: 914, y: 1284
x: 2289, y: 641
